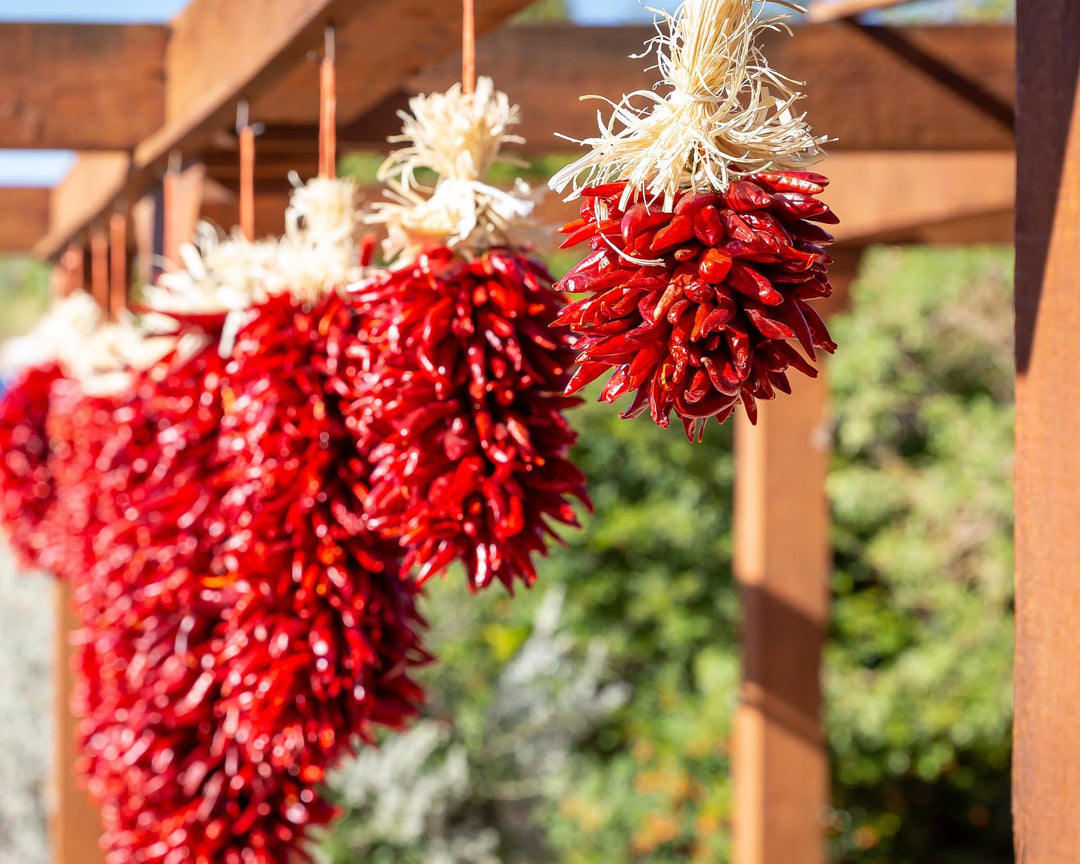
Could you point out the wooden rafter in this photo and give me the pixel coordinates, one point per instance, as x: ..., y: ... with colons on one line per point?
x: 221, y: 50
x: 891, y: 196
x: 872, y: 88
x: 834, y: 10
x: 1046, y: 754
x: 80, y: 86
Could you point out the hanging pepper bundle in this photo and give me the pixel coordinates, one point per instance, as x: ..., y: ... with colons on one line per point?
x: 256, y: 623
x: 28, y: 488
x: 705, y: 252
x: 175, y: 777
x: 461, y: 406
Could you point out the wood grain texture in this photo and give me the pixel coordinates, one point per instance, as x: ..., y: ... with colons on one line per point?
x: 898, y: 196
x: 782, y: 564
x: 75, y: 823
x: 1046, y: 755
x: 873, y: 88
x: 80, y: 86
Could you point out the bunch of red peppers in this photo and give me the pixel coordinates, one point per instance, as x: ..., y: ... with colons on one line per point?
x: 248, y: 521
x: 691, y: 308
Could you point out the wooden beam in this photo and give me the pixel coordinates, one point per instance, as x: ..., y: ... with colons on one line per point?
x: 1046, y: 754
x: 892, y: 196
x: 782, y: 564
x: 871, y: 88
x: 78, y: 199
x: 75, y: 823
x: 834, y: 10
x: 220, y: 51
x: 80, y: 86
x: 377, y: 51
x: 182, y: 203
x: 24, y: 217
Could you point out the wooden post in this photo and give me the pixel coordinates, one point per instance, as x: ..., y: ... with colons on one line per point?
x: 1046, y: 756
x: 118, y: 270
x: 782, y: 562
x: 99, y: 268
x: 75, y: 824
x: 182, y: 203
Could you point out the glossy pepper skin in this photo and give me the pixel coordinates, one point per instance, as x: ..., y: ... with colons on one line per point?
x: 459, y: 405
x: 169, y: 778
x: 27, y: 485
x: 326, y: 634
x: 242, y: 627
x: 712, y: 324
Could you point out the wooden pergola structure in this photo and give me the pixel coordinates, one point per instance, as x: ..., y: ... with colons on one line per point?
x: 924, y: 122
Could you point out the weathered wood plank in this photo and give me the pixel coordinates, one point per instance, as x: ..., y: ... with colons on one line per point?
x: 220, y: 51
x: 1046, y: 755
x: 895, y: 196
x: 80, y: 86
x: 872, y: 88
x: 833, y: 10
x: 379, y: 49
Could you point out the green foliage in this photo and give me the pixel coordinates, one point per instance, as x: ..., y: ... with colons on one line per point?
x: 919, y: 659
x: 24, y: 293
x: 917, y: 663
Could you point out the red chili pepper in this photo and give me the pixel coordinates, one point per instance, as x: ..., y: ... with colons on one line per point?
x: 434, y: 492
x: 703, y: 313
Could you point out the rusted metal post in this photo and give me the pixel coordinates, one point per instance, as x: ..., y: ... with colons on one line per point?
x: 1046, y: 758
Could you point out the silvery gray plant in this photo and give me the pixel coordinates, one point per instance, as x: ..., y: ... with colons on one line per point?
x: 440, y: 794
x: 26, y: 727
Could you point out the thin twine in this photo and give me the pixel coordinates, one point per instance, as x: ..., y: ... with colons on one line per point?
x: 468, y: 47
x: 246, y: 134
x: 118, y: 282
x: 328, y: 108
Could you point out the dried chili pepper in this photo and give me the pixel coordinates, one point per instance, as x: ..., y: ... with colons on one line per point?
x: 461, y: 412
x: 692, y: 309
x: 27, y: 485
x: 705, y: 258
x: 241, y: 622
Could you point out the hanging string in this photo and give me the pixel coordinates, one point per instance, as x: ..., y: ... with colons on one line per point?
x: 246, y: 132
x: 328, y: 108
x: 118, y: 278
x: 170, y: 195
x: 99, y: 268
x: 468, y: 47
x: 73, y: 263
x: 60, y: 279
